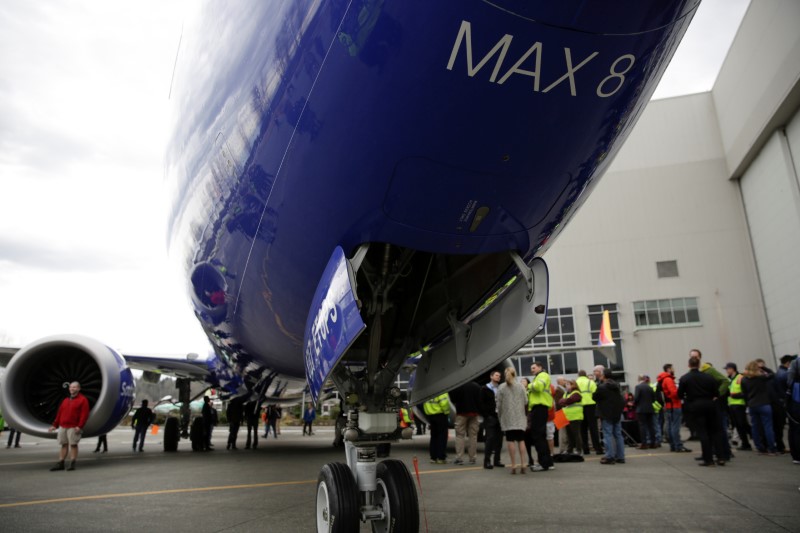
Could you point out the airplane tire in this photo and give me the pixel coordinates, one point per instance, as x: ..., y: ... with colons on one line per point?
x: 196, y: 434
x: 397, y: 495
x: 172, y: 434
x: 337, y: 500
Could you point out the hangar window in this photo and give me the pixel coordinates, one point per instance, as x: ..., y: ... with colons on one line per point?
x: 559, y: 330
x: 667, y: 269
x: 595, y: 322
x: 669, y: 312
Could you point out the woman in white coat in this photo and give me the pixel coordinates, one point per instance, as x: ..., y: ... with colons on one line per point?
x: 511, y: 401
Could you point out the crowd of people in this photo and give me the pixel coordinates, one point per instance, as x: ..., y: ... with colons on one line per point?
x: 541, y: 414
x: 748, y: 410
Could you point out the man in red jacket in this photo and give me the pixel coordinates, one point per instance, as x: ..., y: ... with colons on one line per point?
x: 70, y: 419
x: 672, y: 409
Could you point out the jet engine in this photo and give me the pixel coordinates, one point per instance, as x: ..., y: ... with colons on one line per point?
x: 38, y: 376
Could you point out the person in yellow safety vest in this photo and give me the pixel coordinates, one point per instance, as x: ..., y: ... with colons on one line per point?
x: 573, y: 410
x: 658, y: 408
x: 406, y: 417
x: 436, y: 410
x: 737, y: 405
x: 588, y: 387
x: 539, y: 402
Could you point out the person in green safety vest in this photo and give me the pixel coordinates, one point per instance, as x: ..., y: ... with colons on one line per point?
x: 406, y: 416
x: 588, y: 387
x: 436, y: 410
x: 658, y: 409
x: 737, y: 406
x: 573, y: 410
x: 539, y: 402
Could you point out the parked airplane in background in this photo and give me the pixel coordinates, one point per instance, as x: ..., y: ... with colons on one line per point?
x: 357, y: 181
x: 167, y: 406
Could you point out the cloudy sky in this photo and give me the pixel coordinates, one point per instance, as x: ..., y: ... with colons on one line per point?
x: 83, y: 126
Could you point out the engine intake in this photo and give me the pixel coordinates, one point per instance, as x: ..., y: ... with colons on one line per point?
x: 38, y: 376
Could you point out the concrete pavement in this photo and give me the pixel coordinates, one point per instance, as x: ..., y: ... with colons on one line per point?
x: 273, y: 489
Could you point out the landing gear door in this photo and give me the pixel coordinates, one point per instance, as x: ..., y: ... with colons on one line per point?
x: 496, y: 335
x: 333, y: 323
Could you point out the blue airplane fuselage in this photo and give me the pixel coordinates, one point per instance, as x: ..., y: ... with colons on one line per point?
x: 459, y: 127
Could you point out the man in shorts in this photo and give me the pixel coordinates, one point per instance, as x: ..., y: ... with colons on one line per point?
x: 70, y: 419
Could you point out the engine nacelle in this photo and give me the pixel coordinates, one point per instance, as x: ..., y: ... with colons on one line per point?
x: 38, y: 376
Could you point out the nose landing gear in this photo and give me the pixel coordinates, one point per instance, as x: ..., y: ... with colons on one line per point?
x: 364, y: 490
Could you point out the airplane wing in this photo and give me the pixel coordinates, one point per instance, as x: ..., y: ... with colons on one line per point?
x: 6, y: 354
x: 190, y: 366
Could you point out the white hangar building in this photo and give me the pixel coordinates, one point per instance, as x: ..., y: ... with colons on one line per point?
x: 692, y: 238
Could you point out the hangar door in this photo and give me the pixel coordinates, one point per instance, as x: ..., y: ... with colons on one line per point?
x: 771, y: 194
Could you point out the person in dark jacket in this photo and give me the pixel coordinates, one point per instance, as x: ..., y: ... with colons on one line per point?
x: 309, y: 415
x: 793, y: 407
x: 234, y: 414
x: 13, y: 438
x: 102, y: 442
x: 491, y: 423
x: 208, y: 423
x: 643, y: 398
x: 609, y: 406
x: 723, y: 385
x: 779, y: 386
x: 251, y: 416
x: 758, y: 391
x: 140, y: 422
x: 466, y: 398
x: 699, y: 392
x: 272, y: 421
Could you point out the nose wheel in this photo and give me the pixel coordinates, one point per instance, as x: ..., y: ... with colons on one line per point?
x: 397, y: 497
x: 337, y: 500
x: 394, y: 504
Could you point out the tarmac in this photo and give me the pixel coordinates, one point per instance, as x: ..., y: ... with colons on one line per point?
x: 273, y: 488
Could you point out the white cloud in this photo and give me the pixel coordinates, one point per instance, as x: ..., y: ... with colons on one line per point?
x: 83, y: 101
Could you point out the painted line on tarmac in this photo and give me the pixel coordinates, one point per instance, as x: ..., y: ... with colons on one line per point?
x: 87, y: 460
x: 197, y: 489
x: 223, y: 487
x: 155, y: 493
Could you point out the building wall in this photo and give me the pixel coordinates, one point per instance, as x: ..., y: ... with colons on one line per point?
x: 665, y: 197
